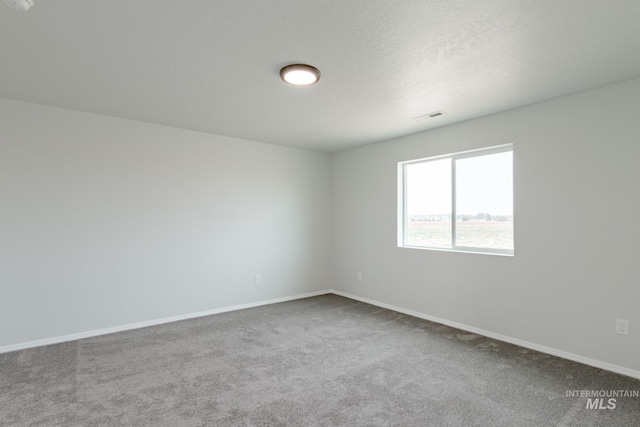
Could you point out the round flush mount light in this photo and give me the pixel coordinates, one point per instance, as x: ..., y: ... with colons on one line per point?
x: 300, y: 74
x: 21, y: 5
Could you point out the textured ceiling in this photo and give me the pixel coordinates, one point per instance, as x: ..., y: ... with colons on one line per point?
x: 212, y: 66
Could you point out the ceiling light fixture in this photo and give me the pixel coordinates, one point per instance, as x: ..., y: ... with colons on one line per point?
x: 300, y: 74
x: 21, y: 5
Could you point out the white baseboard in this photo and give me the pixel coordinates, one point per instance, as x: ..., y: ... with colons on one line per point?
x: 130, y: 326
x: 541, y: 348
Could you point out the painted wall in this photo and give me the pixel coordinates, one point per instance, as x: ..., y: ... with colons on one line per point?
x: 577, y: 228
x: 106, y: 222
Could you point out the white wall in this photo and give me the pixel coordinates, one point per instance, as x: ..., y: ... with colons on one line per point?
x: 106, y: 222
x: 577, y: 228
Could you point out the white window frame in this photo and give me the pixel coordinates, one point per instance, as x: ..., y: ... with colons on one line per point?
x: 402, y: 201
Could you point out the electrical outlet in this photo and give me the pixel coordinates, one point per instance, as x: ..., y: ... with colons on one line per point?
x: 258, y: 279
x: 622, y: 327
x: 359, y: 275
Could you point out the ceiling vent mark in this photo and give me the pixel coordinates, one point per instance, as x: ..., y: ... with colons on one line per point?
x: 428, y: 116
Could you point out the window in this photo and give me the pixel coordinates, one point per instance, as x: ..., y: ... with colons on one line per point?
x: 461, y: 202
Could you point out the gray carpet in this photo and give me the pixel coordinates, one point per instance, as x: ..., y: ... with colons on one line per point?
x: 322, y: 361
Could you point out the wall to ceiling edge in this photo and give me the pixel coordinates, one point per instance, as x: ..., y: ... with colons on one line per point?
x: 577, y: 210
x: 107, y: 223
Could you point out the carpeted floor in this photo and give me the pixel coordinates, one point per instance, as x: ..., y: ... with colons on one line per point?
x: 322, y: 361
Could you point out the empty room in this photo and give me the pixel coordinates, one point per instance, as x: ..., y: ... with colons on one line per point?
x: 319, y: 213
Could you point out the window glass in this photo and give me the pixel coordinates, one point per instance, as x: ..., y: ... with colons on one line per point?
x: 484, y: 201
x: 429, y: 204
x: 461, y: 201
